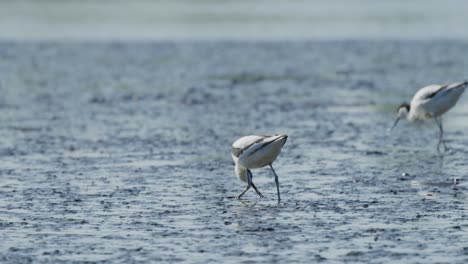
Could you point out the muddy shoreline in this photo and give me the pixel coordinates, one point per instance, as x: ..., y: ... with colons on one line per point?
x: 120, y: 152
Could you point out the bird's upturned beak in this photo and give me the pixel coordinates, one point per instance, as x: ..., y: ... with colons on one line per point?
x: 394, y: 124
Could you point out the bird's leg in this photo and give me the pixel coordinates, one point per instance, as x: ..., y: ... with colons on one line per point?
x: 441, y: 134
x: 438, y: 144
x: 257, y: 191
x: 249, y: 183
x: 253, y: 185
x: 277, y: 182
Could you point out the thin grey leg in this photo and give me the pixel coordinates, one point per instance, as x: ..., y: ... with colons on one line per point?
x: 277, y: 182
x: 253, y: 185
x: 257, y: 191
x: 441, y: 134
x: 249, y: 183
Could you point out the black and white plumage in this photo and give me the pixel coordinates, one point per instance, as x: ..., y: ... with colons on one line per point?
x: 251, y: 152
x: 432, y: 102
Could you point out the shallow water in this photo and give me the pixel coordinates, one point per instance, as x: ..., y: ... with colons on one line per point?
x: 121, y: 152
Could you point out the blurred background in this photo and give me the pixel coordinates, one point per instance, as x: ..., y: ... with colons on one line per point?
x: 231, y: 19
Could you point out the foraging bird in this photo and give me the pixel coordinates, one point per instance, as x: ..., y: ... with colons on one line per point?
x: 431, y: 102
x: 251, y: 152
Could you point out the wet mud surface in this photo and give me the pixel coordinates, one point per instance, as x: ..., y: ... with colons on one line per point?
x: 121, y: 153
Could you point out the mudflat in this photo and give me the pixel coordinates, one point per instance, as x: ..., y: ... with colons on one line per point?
x: 120, y: 152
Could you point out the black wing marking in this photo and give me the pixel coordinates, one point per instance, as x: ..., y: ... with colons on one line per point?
x: 238, y: 151
x: 262, y: 146
x: 444, y: 87
x: 431, y: 95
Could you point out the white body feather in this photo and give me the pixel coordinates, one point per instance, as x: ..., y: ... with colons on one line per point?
x: 252, y: 152
x: 435, y: 100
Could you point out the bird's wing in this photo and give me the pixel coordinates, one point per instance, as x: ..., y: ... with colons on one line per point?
x: 435, y: 90
x: 250, y: 144
x: 260, y: 144
x: 448, y: 88
x: 429, y: 92
x: 435, y: 100
x: 244, y: 143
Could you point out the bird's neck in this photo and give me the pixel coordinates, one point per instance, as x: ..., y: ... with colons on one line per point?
x: 411, y: 116
x: 241, y: 172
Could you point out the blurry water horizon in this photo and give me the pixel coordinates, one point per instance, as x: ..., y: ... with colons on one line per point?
x: 143, y: 20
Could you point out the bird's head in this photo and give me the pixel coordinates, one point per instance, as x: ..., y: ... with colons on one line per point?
x: 403, y: 111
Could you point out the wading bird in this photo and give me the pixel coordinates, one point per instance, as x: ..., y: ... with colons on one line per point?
x: 251, y: 152
x: 431, y: 102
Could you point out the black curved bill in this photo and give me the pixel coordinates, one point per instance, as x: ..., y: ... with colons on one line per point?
x: 394, y: 124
